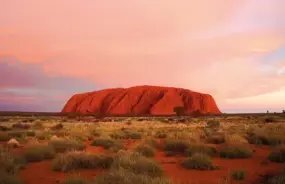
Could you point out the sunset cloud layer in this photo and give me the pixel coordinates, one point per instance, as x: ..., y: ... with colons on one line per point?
x: 232, y: 49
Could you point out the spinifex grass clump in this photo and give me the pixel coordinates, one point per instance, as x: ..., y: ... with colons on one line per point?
x: 6, y: 178
x: 9, y: 163
x: 108, y: 143
x: 61, y: 146
x: 198, y: 161
x: 278, y: 155
x: 123, y: 176
x: 200, y: 148
x: 145, y: 150
x: 270, y: 134
x: 235, y: 151
x: 137, y: 164
x: 213, y: 124
x: 39, y: 152
x: 4, y: 136
x: 216, y: 138
x: 80, y: 160
x: 176, y: 146
x: 238, y: 174
x: 126, y: 134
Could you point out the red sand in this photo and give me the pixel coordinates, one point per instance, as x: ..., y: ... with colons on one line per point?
x: 41, y: 172
x: 253, y: 168
x: 141, y: 100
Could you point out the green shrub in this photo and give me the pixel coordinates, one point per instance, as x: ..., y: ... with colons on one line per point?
x: 277, y: 155
x: 9, y: 163
x: 6, y: 178
x: 145, y: 150
x: 17, y: 133
x: 270, y: 120
x: 20, y: 126
x: 58, y: 126
x: 150, y: 142
x: 160, y: 135
x: 235, y: 151
x: 4, y: 136
x: 216, y: 138
x: 31, y: 133
x: 200, y: 148
x: 38, y: 125
x: 61, y: 146
x: 104, y: 142
x: 126, y: 135
x: 108, y: 144
x: 266, y: 138
x: 279, y: 179
x: 80, y: 160
x: 36, y: 153
x: 74, y: 181
x: 198, y: 161
x: 176, y: 146
x: 123, y: 176
x: 42, y: 136
x: 137, y: 164
x: 238, y: 174
x: 213, y: 124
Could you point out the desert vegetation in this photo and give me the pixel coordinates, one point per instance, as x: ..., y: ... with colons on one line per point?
x: 155, y: 150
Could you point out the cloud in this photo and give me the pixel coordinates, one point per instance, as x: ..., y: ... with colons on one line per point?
x: 26, y: 85
x: 231, y: 49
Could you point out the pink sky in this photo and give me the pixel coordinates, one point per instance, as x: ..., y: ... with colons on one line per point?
x: 232, y: 49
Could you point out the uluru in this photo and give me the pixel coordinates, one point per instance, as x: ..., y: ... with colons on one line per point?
x: 141, y: 100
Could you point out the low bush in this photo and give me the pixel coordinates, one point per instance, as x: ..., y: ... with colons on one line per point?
x: 39, y: 152
x: 123, y: 176
x: 126, y: 135
x: 200, y: 148
x: 198, y: 161
x: 43, y: 136
x: 176, y: 146
x: 238, y: 174
x: 4, y: 136
x: 216, y: 138
x: 6, y: 178
x: 80, y: 160
x: 17, y: 133
x: 279, y: 179
x: 58, y: 126
x: 74, y: 180
x: 31, y: 133
x: 4, y: 128
x: 137, y: 164
x: 277, y: 155
x: 9, y: 163
x: 160, y: 135
x: 21, y: 126
x: 104, y: 142
x: 145, y: 150
x: 61, y: 146
x: 107, y: 143
x: 150, y: 142
x: 213, y: 124
x: 235, y: 151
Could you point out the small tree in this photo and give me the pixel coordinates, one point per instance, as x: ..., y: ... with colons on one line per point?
x: 179, y: 110
x: 283, y: 111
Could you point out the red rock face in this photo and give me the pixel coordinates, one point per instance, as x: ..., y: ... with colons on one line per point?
x: 141, y: 100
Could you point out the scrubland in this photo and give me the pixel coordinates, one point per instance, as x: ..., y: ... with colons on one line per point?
x: 164, y: 150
